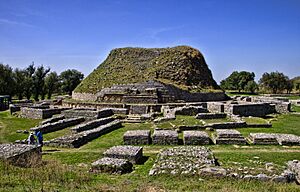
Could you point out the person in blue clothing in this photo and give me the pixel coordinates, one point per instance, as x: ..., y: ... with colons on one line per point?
x: 39, y: 137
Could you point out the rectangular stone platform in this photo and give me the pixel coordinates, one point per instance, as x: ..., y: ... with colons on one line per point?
x: 229, y: 136
x: 263, y: 139
x: 21, y: 154
x: 36, y: 113
x: 227, y: 125
x: 131, y: 153
x: 92, y: 124
x: 183, y: 160
x: 61, y: 124
x: 165, y: 137
x: 195, y: 138
x: 137, y: 137
x: 111, y: 165
x: 288, y: 139
x: 79, y: 139
x: 52, y: 119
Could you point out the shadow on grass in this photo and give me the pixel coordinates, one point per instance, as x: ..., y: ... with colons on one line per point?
x: 143, y: 160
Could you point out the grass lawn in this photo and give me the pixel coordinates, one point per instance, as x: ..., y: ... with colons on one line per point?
x: 67, y: 169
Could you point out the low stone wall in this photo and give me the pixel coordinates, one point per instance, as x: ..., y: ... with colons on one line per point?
x: 215, y: 107
x: 165, y: 137
x: 21, y: 154
x: 248, y: 109
x: 227, y: 125
x: 35, y: 113
x: 88, y: 114
x: 137, y: 137
x: 79, y: 139
x: 229, y: 136
x: 195, y: 138
x: 61, y: 124
x: 92, y: 124
x: 52, y: 119
x: 189, y: 110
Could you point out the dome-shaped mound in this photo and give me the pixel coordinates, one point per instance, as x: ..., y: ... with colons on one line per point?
x: 181, y: 66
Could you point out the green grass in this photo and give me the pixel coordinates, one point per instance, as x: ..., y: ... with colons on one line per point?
x: 255, y: 120
x: 222, y: 120
x: 67, y: 169
x: 295, y: 108
x: 180, y: 120
x: 10, y: 124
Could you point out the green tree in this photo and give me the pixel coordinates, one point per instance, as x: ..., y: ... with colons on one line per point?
x: 276, y: 82
x: 70, y: 79
x: 51, y: 84
x: 28, y: 82
x: 7, y: 83
x: 297, y: 87
x: 19, y: 78
x: 237, y: 80
x: 251, y: 86
x: 39, y: 82
x: 289, y: 86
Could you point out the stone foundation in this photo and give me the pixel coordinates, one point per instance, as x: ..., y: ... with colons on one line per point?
x: 52, y: 119
x: 79, y: 139
x: 229, y: 136
x: 88, y: 114
x: 211, y: 115
x: 35, y: 113
x: 92, y: 124
x: 21, y: 154
x: 137, y: 137
x: 195, y: 138
x: 165, y: 137
x: 112, y: 166
x: 263, y: 139
x: 131, y: 153
x: 61, y: 124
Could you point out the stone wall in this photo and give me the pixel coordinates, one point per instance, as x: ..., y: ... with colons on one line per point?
x: 61, y: 124
x: 84, y: 96
x: 35, y: 113
x: 21, y: 154
x: 92, y: 124
x: 215, y: 107
x: 248, y: 109
x: 88, y: 114
x: 79, y: 139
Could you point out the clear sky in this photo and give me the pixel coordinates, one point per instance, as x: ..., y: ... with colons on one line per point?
x: 253, y: 35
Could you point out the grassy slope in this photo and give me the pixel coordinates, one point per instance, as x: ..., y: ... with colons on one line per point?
x: 66, y: 169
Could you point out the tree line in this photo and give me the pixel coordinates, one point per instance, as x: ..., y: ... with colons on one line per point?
x: 273, y: 82
x: 37, y: 81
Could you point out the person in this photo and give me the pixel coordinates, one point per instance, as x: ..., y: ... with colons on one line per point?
x: 39, y: 136
x: 31, y: 139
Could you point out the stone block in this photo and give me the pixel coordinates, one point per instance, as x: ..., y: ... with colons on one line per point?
x: 229, y: 136
x: 263, y: 139
x: 195, y: 138
x: 131, y: 153
x: 137, y: 137
x: 165, y: 137
x: 21, y: 154
x: 92, y: 124
x: 111, y: 165
x: 211, y: 115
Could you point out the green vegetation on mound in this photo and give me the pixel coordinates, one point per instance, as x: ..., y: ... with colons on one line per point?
x: 182, y: 66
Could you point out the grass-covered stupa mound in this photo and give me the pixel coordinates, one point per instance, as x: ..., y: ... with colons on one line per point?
x: 182, y: 66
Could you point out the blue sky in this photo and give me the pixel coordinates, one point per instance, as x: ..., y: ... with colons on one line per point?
x: 253, y: 35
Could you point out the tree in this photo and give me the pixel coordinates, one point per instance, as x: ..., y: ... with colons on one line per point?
x: 28, y: 81
x: 297, y: 87
x: 70, y: 79
x: 275, y: 81
x: 39, y: 82
x: 289, y: 86
x: 7, y: 83
x: 237, y: 80
x: 51, y: 83
x: 19, y: 78
x: 251, y: 86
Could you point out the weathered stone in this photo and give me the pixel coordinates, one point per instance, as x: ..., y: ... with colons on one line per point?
x: 61, y: 124
x: 288, y: 139
x: 36, y: 113
x: 137, y: 137
x: 211, y: 115
x: 21, y: 154
x: 92, y: 124
x: 89, y: 114
x: 263, y: 139
x: 132, y: 153
x: 52, y: 119
x: 81, y: 138
x: 227, y: 125
x: 195, y: 138
x: 111, y: 165
x: 188, y: 160
x: 165, y: 137
x: 229, y: 136
x: 294, y: 167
